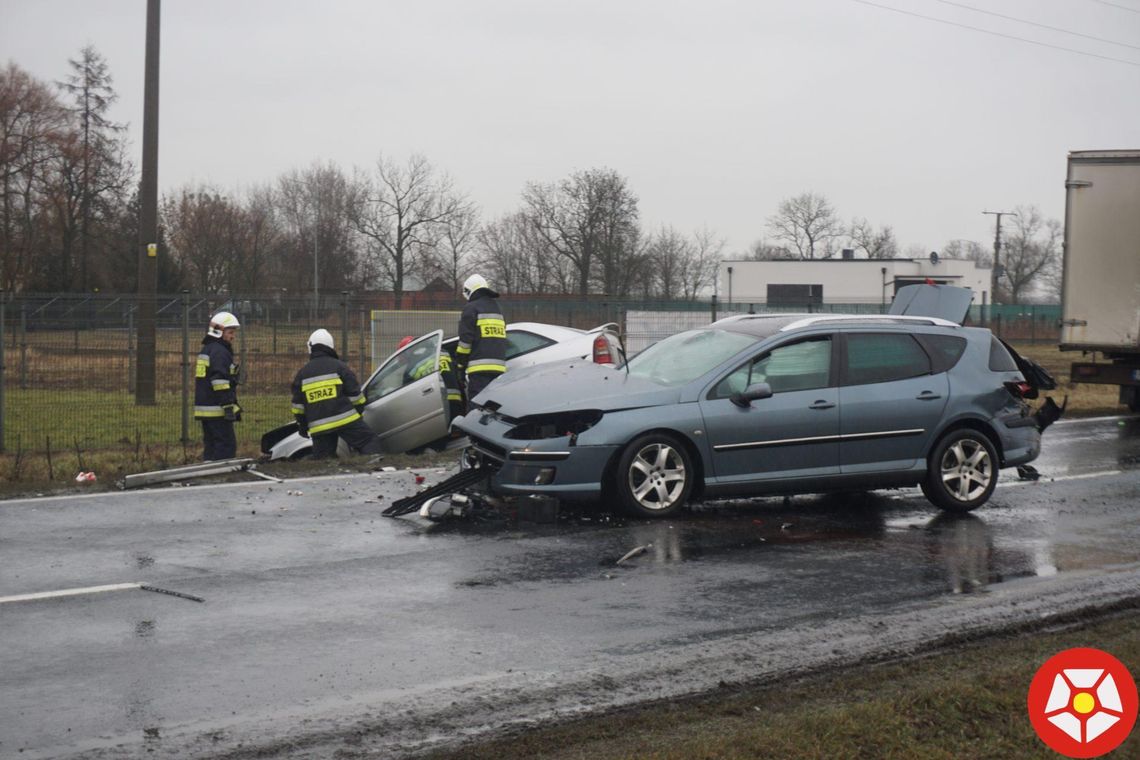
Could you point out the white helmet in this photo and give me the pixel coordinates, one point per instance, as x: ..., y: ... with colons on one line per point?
x: 321, y: 337
x: 221, y: 321
x: 473, y: 283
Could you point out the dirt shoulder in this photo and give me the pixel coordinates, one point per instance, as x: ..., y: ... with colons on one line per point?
x: 966, y: 701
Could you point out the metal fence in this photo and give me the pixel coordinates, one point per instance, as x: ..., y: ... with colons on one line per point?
x: 68, y: 362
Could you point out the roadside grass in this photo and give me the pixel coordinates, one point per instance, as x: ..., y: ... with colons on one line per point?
x: 1085, y: 399
x: 966, y: 702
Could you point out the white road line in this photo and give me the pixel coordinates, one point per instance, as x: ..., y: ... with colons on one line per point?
x: 1071, y: 420
x: 1059, y: 478
x: 68, y: 592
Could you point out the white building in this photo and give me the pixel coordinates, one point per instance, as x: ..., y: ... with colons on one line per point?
x: 800, y: 282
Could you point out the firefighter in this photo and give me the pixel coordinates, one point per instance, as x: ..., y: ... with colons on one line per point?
x: 446, y: 369
x: 327, y: 401
x: 482, y: 351
x: 215, y: 388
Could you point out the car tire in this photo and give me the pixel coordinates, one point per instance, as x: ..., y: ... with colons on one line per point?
x: 962, y: 471
x: 654, y: 476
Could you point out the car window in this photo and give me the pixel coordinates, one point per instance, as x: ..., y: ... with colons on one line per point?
x: 792, y: 367
x: 413, y: 363
x: 883, y: 357
x: 521, y: 342
x: 1000, y: 360
x: 688, y: 355
x: 944, y: 350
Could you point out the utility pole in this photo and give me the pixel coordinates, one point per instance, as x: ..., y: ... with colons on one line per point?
x: 996, y: 271
x: 148, y: 216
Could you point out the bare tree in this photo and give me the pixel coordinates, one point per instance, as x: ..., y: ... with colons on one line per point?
x: 1031, y: 249
x: 762, y: 250
x: 204, y: 229
x: 698, y: 273
x: 876, y: 244
x: 402, y: 211
x: 970, y: 250
x: 589, y: 218
x: 668, y: 252
x: 32, y: 125
x: 100, y: 159
x: 315, y: 207
x: 449, y: 259
x: 808, y: 223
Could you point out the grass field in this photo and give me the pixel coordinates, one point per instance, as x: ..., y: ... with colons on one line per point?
x: 79, y: 405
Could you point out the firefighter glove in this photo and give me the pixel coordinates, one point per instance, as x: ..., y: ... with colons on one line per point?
x: 232, y: 412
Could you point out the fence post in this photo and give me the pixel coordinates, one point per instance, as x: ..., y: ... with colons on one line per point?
x: 374, y: 329
x: 713, y: 308
x: 185, y: 367
x: 131, y: 349
x: 1033, y: 324
x: 273, y: 322
x: 3, y: 337
x: 23, y: 346
x: 997, y: 324
x: 363, y: 322
x: 344, y: 322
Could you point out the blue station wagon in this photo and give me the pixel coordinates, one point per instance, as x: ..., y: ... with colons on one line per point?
x: 769, y: 404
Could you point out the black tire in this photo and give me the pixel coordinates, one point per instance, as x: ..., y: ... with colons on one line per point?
x: 654, y: 476
x: 962, y: 471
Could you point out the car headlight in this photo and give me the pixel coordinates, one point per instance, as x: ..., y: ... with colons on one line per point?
x: 560, y: 425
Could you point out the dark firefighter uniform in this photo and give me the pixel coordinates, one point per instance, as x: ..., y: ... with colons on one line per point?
x: 327, y: 402
x: 215, y: 398
x: 482, y: 349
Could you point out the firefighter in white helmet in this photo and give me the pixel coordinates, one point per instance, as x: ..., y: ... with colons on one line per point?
x: 481, y: 355
x: 215, y: 388
x: 327, y: 401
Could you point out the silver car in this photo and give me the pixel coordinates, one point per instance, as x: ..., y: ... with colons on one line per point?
x: 770, y: 404
x: 410, y: 413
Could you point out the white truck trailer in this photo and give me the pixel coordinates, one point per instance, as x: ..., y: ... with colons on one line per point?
x: 1100, y: 297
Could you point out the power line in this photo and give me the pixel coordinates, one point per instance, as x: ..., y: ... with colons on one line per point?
x: 1034, y: 23
x: 1117, y: 5
x: 999, y: 34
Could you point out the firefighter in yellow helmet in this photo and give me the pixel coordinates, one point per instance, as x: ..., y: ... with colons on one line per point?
x: 482, y: 352
x: 215, y: 388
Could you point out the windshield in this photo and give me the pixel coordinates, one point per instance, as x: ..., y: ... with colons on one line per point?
x: 688, y: 355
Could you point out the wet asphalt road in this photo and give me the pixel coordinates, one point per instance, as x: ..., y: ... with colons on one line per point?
x: 326, y: 627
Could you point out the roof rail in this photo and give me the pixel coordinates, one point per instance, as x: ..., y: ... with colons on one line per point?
x: 808, y: 321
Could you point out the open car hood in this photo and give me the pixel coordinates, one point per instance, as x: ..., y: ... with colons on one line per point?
x: 547, y: 388
x: 947, y: 302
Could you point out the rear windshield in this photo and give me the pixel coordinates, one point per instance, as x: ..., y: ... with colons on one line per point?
x: 1000, y: 360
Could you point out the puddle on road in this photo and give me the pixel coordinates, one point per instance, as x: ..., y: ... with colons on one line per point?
x: 872, y: 532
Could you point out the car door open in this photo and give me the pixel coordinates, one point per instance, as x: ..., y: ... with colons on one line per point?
x: 405, y: 399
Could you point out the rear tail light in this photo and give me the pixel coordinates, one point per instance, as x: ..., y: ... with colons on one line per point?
x: 1021, y: 389
x: 602, y: 352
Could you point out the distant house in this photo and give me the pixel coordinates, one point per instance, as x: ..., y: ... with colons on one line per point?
x: 798, y: 283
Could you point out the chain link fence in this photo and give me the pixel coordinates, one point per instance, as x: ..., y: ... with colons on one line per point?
x: 68, y: 362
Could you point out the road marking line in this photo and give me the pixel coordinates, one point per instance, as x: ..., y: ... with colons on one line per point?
x: 1071, y: 420
x: 68, y: 592
x: 1058, y: 478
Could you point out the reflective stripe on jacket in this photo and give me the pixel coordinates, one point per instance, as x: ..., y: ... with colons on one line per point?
x: 326, y: 394
x: 482, y: 335
x: 215, y: 379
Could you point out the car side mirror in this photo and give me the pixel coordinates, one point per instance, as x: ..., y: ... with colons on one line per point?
x: 752, y: 393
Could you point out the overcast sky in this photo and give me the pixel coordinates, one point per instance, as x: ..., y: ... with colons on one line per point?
x: 714, y: 110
